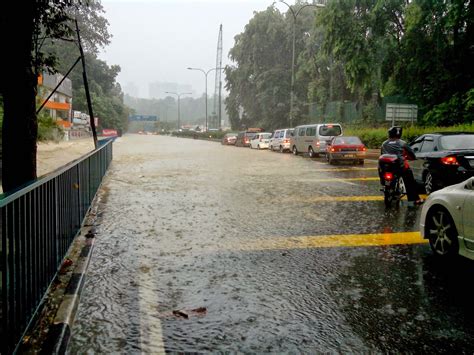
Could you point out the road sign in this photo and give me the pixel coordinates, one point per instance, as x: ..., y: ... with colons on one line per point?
x: 401, y: 112
x: 143, y: 118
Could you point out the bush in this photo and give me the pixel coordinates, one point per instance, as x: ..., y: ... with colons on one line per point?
x: 48, y: 129
x: 374, y: 137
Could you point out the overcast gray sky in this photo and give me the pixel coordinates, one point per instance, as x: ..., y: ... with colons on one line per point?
x: 156, y: 40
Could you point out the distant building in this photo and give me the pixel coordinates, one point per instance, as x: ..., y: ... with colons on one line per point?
x: 60, y: 104
x: 131, y: 89
x: 157, y: 90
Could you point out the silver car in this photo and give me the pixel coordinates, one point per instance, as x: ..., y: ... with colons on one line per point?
x: 312, y: 138
x: 447, y: 220
x: 281, y: 140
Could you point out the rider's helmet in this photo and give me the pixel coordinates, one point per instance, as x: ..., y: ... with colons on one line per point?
x: 395, y: 132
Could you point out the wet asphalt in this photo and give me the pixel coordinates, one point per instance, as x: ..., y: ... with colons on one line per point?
x: 204, y: 248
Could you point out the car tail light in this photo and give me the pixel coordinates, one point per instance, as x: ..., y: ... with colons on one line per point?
x: 449, y: 161
x: 388, y: 176
x: 317, y: 143
x: 388, y: 159
x: 286, y: 141
x: 363, y: 149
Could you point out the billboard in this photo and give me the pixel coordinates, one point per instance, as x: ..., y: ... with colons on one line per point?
x: 401, y: 112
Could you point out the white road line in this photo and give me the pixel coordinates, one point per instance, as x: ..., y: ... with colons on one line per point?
x: 150, y: 325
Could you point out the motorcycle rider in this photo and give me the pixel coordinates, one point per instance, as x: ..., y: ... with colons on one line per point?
x: 395, y: 145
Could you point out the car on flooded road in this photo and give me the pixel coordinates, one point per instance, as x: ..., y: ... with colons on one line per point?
x: 229, y: 139
x: 312, y: 138
x: 260, y: 140
x: 243, y: 139
x: 281, y: 140
x: 443, y: 159
x: 447, y: 220
x: 345, y: 148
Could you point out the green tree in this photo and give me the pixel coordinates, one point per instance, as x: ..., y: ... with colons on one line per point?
x: 24, y: 26
x: 434, y: 67
x: 259, y: 82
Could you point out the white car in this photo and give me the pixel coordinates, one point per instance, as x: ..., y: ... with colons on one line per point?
x: 260, y: 141
x: 281, y: 140
x: 447, y: 220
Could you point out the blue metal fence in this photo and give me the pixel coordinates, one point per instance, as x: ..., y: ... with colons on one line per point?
x: 38, y: 224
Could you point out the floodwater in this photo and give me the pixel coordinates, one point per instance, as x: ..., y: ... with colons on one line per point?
x: 203, y: 247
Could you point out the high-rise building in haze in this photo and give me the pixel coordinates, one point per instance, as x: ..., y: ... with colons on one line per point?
x: 157, y: 89
x: 131, y: 89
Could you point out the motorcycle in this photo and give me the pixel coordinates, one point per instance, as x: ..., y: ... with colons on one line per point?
x: 393, y: 186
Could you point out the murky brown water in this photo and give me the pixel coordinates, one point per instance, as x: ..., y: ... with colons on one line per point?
x: 174, y: 235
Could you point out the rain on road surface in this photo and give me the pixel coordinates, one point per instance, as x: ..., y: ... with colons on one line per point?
x: 261, y: 252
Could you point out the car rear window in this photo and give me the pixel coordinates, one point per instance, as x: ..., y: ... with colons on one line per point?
x: 347, y: 140
x: 330, y: 130
x: 457, y: 141
x: 250, y: 135
x: 288, y: 133
x: 266, y: 135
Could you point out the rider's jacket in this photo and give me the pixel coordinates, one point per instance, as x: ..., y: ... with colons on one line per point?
x: 399, y: 148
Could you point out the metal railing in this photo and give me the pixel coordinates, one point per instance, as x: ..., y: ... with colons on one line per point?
x: 38, y: 224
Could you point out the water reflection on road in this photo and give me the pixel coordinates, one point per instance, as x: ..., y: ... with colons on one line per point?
x: 190, y: 226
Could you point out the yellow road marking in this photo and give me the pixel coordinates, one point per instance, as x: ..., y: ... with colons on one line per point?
x: 346, y: 169
x: 350, y: 198
x: 331, y: 241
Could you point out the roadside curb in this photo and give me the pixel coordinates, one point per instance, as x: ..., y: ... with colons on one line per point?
x: 60, y: 330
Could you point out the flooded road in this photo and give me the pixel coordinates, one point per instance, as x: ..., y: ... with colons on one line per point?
x: 204, y: 247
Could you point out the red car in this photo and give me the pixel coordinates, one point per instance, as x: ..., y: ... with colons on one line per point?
x: 229, y: 139
x: 346, y: 148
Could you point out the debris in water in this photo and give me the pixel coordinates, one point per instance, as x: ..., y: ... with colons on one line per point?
x: 179, y: 313
x: 200, y: 310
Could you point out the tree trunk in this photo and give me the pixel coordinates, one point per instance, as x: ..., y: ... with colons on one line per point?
x: 20, y: 127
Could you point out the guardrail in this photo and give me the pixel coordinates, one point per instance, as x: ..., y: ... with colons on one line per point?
x: 39, y: 223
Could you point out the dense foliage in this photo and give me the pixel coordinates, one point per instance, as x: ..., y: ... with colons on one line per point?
x: 355, y: 55
x: 106, y: 93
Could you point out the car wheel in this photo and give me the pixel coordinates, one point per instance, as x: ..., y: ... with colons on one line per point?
x: 361, y: 161
x: 311, y: 152
x: 258, y: 146
x: 271, y: 148
x: 294, y: 150
x: 281, y: 149
x: 401, y: 186
x: 442, y: 233
x: 430, y: 183
x: 330, y: 159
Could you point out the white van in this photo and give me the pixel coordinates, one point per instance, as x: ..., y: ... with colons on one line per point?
x: 312, y: 138
x: 281, y: 140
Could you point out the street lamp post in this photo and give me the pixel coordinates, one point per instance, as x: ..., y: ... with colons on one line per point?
x: 179, y: 96
x: 295, y: 15
x: 205, y: 76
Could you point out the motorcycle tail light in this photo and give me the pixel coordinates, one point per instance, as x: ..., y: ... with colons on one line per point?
x: 388, y: 176
x: 449, y: 161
